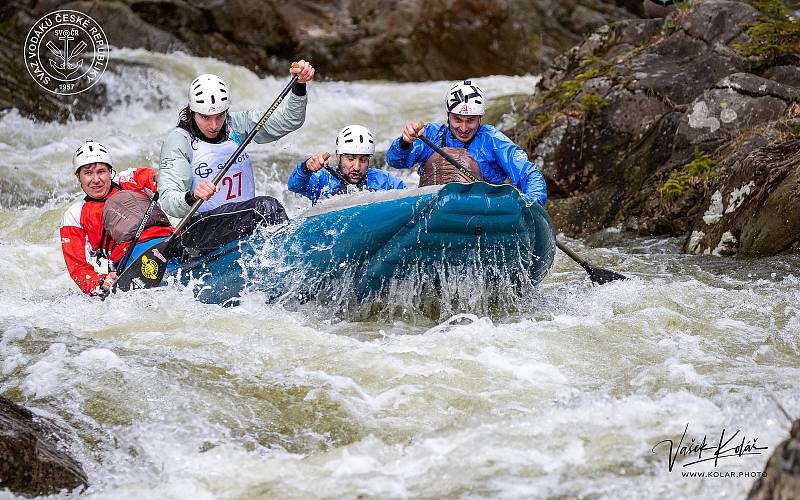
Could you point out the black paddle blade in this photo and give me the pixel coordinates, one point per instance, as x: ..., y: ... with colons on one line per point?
x: 600, y: 276
x: 148, y: 269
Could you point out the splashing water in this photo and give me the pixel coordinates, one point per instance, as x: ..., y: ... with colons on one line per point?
x: 564, y: 393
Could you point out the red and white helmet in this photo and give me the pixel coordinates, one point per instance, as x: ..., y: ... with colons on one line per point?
x: 91, y: 152
x: 208, y: 95
x: 465, y: 98
x: 355, y: 140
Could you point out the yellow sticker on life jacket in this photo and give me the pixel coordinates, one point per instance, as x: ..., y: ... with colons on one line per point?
x: 149, y: 268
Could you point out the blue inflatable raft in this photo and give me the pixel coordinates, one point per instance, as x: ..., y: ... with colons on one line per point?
x: 363, y: 242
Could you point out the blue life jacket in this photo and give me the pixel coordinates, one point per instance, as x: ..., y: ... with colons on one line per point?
x: 322, y: 184
x: 497, y: 155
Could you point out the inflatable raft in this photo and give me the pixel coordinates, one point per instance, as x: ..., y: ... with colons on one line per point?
x: 363, y: 242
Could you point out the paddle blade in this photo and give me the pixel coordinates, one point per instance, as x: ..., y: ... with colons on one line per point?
x: 147, y: 270
x: 600, y: 276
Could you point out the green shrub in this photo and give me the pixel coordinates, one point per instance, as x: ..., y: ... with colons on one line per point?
x: 699, y: 172
x: 775, y: 37
x: 568, y: 89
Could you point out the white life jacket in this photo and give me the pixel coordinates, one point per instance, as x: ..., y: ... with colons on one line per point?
x: 208, y: 159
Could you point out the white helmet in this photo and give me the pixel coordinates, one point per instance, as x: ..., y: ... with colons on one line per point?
x: 355, y: 140
x: 465, y: 98
x: 91, y: 152
x: 208, y: 95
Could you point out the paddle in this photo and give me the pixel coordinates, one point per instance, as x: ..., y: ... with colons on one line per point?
x: 444, y: 155
x: 148, y: 269
x: 596, y: 274
x: 338, y: 176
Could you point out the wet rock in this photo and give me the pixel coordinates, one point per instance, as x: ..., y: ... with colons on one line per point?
x: 752, y: 210
x: 787, y: 75
x: 369, y: 39
x: 732, y: 106
x: 660, y: 127
x: 652, y: 8
x: 410, y: 40
x: 32, y: 457
x: 782, y: 481
x: 417, y: 40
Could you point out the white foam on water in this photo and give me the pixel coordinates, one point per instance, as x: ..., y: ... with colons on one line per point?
x: 167, y: 397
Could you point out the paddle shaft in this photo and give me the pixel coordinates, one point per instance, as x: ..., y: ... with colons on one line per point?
x: 572, y: 255
x: 149, y: 272
x: 336, y: 175
x: 339, y: 177
x: 235, y: 155
x: 596, y: 274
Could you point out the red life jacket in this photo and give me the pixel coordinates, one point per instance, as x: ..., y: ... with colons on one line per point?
x: 82, y: 233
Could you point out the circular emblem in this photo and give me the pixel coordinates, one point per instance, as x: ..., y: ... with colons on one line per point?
x: 66, y: 52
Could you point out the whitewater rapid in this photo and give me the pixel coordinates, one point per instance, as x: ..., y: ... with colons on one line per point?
x: 564, y: 396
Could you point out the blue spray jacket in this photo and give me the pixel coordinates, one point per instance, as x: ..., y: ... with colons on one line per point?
x: 496, y: 154
x: 322, y: 184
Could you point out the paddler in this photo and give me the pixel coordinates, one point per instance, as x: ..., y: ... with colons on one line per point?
x: 207, y: 134
x: 82, y: 226
x: 498, y: 157
x: 315, y: 178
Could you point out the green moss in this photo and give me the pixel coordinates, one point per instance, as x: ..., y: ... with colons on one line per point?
x: 775, y: 37
x: 561, y: 98
x: 591, y: 67
x: 682, y: 7
x: 589, y: 74
x: 591, y: 103
x: 793, y: 132
x: 673, y: 20
x: 565, y: 90
x: 697, y: 173
x: 598, y: 61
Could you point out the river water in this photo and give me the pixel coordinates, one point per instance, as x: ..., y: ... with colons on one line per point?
x: 564, y: 395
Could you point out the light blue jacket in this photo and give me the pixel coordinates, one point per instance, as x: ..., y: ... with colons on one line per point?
x: 175, y: 172
x: 322, y: 184
x: 496, y: 154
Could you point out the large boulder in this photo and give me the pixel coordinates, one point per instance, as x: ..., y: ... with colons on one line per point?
x: 781, y: 479
x: 441, y: 39
x: 345, y: 39
x: 409, y: 40
x: 655, y: 125
x: 33, y: 460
